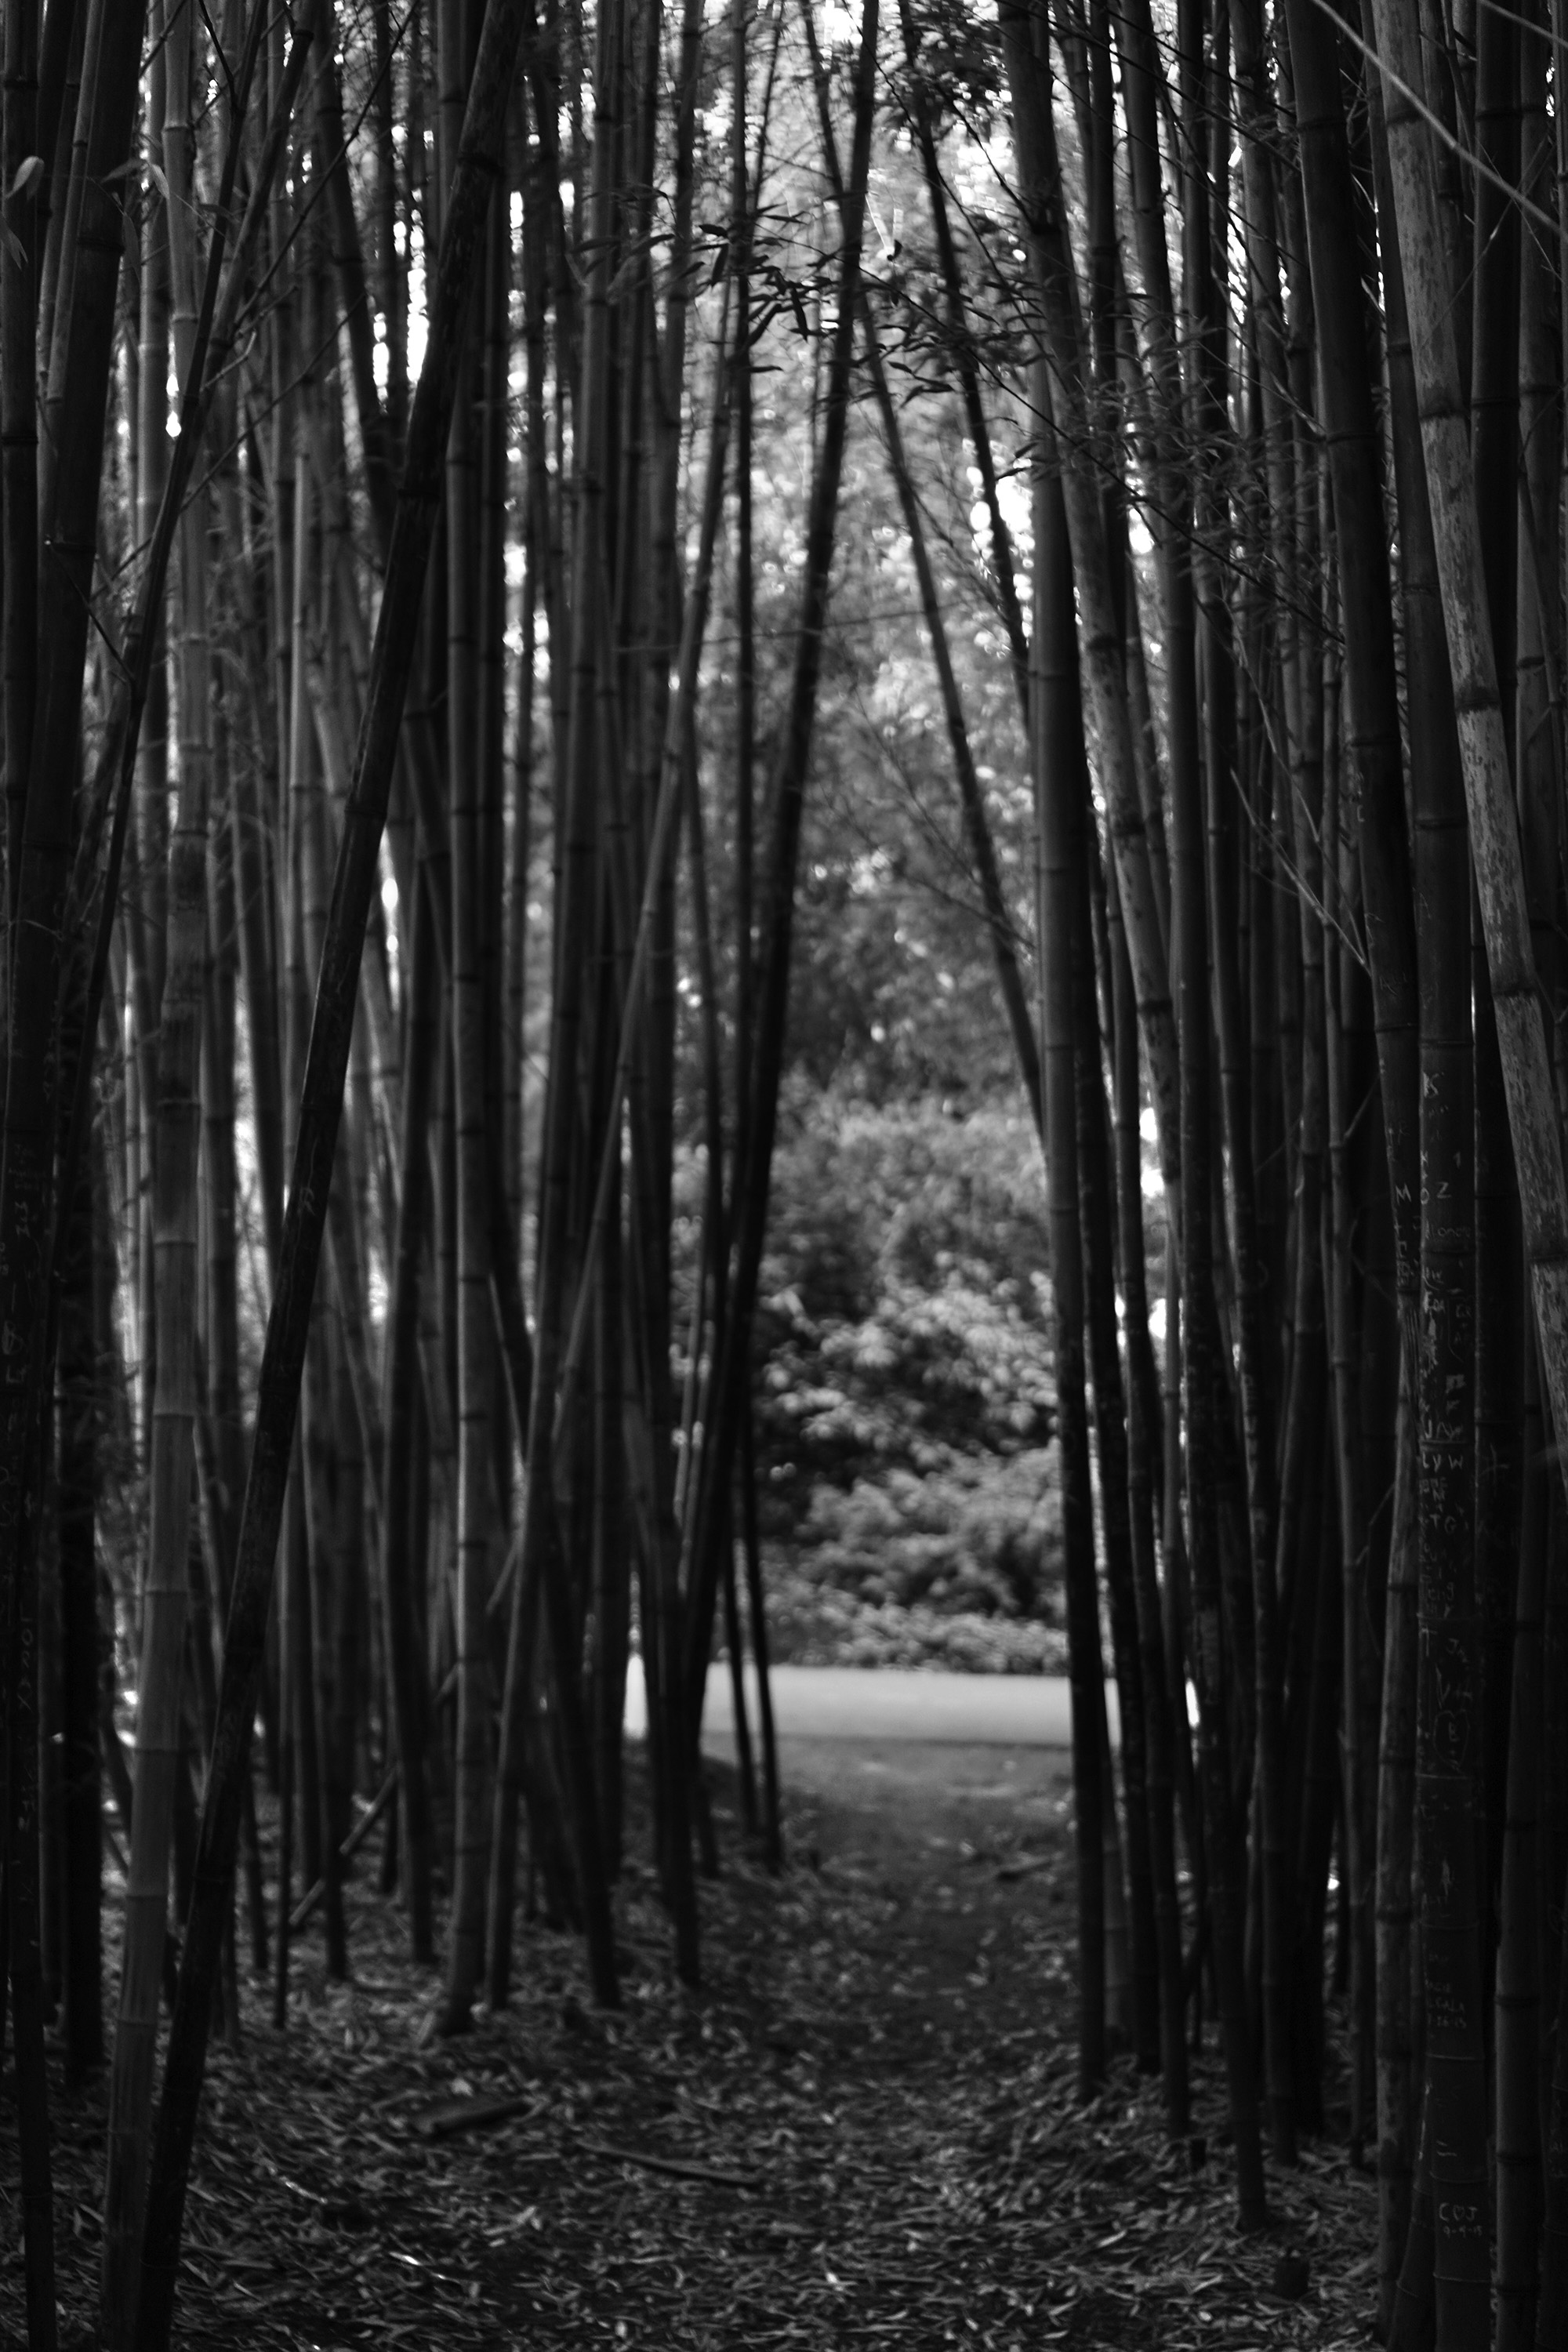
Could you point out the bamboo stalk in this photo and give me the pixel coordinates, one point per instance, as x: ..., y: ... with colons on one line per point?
x: 1057, y: 725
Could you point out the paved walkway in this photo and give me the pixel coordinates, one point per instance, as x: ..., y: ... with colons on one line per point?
x: 890, y: 1702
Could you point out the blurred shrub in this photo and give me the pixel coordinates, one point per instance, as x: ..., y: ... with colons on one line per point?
x: 903, y: 1387
x: 904, y: 1293
x: 811, y: 1624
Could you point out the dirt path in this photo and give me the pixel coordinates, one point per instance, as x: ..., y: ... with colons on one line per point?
x: 860, y: 2134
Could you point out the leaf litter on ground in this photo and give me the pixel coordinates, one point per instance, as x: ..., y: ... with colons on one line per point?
x: 850, y: 2136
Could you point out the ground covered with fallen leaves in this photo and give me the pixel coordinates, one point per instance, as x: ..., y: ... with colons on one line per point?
x: 861, y: 2132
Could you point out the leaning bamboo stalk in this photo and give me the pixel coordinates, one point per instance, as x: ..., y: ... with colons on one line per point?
x: 345, y: 1234
x: 1057, y: 754
x: 356, y: 878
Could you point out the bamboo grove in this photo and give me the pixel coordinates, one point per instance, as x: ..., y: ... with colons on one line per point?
x: 430, y: 438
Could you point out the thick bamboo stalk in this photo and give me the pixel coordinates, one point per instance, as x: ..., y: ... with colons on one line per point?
x: 1517, y: 2023
x: 1397, y: 2088
x: 1551, y: 2315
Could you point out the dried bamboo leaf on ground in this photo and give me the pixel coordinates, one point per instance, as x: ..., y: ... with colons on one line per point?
x: 925, y: 2179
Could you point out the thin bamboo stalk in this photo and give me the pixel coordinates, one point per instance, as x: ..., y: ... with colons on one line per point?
x: 1057, y: 725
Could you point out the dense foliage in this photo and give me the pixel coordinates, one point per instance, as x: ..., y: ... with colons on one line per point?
x: 904, y: 1405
